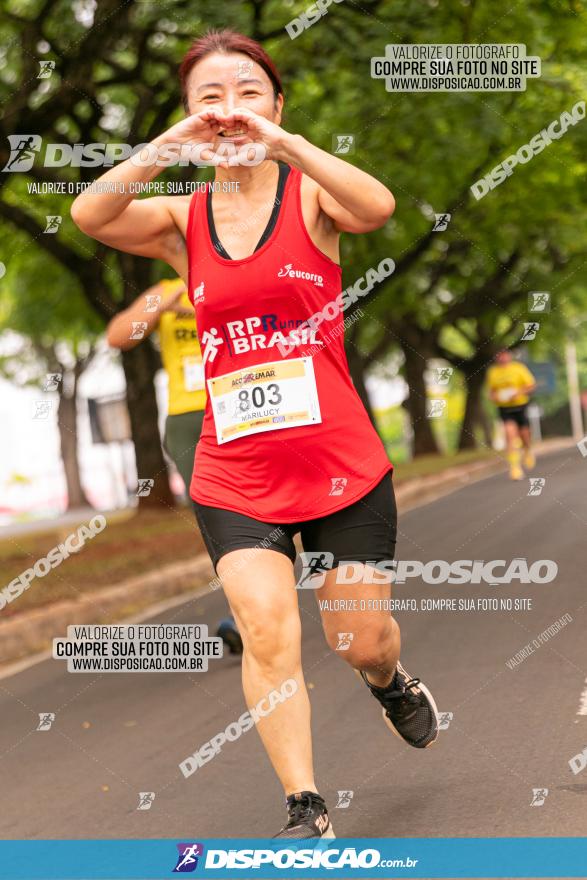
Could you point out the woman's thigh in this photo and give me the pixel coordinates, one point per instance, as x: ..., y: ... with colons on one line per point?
x: 260, y: 588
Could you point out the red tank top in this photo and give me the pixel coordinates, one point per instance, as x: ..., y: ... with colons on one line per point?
x: 285, y: 436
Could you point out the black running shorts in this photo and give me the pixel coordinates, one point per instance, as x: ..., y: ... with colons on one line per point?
x: 363, y: 531
x: 517, y: 414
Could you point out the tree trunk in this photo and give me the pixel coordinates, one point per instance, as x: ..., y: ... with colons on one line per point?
x: 424, y: 441
x: 67, y: 424
x: 357, y: 371
x: 486, y: 427
x: 140, y: 365
x: 474, y: 414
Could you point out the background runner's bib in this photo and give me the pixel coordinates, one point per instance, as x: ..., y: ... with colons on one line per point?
x: 284, y: 430
x: 504, y: 395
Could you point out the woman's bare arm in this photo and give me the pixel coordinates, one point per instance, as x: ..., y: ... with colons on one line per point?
x: 139, y: 320
x: 148, y: 226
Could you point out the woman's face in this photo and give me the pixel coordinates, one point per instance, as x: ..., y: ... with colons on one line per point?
x: 228, y: 81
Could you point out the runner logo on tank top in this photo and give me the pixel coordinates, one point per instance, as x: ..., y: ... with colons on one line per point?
x: 210, y: 341
x: 289, y: 272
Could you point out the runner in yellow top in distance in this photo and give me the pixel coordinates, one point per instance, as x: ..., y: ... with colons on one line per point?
x: 180, y: 352
x: 166, y: 307
x: 510, y: 385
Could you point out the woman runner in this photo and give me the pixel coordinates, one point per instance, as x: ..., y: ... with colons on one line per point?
x: 286, y: 446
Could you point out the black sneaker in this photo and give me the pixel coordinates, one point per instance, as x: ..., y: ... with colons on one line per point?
x: 308, y: 817
x: 409, y: 709
x: 228, y: 632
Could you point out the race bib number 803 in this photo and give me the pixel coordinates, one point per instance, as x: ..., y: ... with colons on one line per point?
x: 266, y: 397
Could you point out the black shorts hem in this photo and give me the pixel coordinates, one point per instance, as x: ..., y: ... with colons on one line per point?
x: 250, y: 545
x: 517, y: 414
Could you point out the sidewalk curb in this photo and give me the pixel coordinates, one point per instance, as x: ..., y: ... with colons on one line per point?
x: 422, y: 490
x: 33, y: 631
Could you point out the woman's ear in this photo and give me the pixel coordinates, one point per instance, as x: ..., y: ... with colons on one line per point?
x: 278, y: 105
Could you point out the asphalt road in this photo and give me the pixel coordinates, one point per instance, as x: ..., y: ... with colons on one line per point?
x: 512, y: 730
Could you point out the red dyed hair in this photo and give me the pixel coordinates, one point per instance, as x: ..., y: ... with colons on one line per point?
x: 226, y: 41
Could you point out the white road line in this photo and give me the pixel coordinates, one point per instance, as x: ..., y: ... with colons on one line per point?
x: 583, y: 701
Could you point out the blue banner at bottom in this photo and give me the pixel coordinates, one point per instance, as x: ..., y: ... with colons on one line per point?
x: 530, y: 857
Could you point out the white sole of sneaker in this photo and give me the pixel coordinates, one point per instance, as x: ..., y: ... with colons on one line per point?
x: 426, y: 693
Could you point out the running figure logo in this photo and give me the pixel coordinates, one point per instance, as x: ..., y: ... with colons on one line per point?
x: 22, y: 151
x: 441, y: 222
x: 537, y: 484
x: 530, y: 331
x: 210, y: 341
x: 52, y: 381
x: 315, y: 566
x: 343, y: 144
x: 46, y: 719
x: 436, y: 408
x: 144, y: 487
x: 344, y: 800
x: 42, y: 409
x: 244, y: 69
x: 344, y: 641
x: 53, y: 222
x: 539, y: 301
x: 146, y: 799
x: 442, y: 375
x: 46, y: 69
x: 187, y: 860
x: 138, y: 329
x: 444, y: 719
x: 338, y: 485
x: 539, y: 795
x: 152, y: 301
x: 240, y: 407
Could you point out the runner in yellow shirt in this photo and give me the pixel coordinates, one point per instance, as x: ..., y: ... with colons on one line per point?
x: 510, y: 385
x: 166, y: 308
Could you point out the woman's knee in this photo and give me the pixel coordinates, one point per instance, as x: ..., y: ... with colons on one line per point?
x: 368, y: 647
x: 271, y: 637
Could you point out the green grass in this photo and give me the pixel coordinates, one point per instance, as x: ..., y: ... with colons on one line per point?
x: 128, y: 546
x: 426, y: 465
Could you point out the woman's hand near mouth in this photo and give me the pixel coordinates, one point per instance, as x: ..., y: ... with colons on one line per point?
x: 195, y: 130
x: 242, y: 126
x: 199, y: 128
x: 239, y: 127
